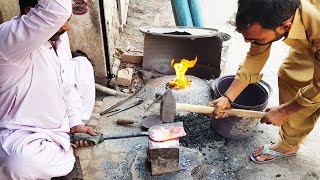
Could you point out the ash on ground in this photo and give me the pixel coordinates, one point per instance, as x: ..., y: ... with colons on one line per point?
x: 213, y: 147
x: 198, y: 129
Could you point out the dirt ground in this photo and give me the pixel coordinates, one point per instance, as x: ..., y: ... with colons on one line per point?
x: 214, y: 156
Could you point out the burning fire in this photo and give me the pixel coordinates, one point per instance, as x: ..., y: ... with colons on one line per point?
x: 181, y: 81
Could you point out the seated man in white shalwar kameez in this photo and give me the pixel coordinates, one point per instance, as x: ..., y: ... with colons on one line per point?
x: 44, y: 93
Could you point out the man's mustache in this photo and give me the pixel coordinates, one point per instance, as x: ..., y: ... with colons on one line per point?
x: 261, y: 44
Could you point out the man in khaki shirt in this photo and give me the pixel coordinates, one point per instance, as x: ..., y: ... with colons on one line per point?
x: 262, y: 22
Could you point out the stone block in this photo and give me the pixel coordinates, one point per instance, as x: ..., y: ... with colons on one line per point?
x: 124, y: 77
x: 99, y: 104
x: 132, y: 57
x: 164, y: 157
x: 95, y: 116
x: 96, y: 109
x: 116, y: 66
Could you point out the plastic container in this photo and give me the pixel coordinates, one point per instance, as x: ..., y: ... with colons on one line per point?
x: 254, y: 97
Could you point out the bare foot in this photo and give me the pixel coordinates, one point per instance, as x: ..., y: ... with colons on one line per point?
x: 257, y: 152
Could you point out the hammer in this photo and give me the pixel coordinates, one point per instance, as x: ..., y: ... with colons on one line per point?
x: 169, y: 107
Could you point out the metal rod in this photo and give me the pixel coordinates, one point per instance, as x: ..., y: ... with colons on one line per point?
x: 118, y: 104
x: 126, y: 108
x: 120, y: 136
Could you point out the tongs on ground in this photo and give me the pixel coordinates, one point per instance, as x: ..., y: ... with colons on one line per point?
x: 112, y: 111
x: 116, y: 111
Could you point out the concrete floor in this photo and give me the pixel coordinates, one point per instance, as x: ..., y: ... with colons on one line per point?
x: 225, y: 159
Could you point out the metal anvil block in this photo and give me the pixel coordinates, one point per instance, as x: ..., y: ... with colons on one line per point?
x: 164, y: 156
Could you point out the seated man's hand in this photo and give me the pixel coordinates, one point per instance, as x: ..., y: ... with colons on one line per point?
x: 82, y: 129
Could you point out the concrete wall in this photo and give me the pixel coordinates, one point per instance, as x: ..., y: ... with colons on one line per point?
x: 1, y: 19
x: 9, y: 9
x: 86, y: 34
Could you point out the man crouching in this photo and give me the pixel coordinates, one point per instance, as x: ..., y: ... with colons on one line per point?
x: 36, y: 112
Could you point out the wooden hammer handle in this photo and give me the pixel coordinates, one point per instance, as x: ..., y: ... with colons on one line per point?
x: 230, y: 112
x: 125, y: 121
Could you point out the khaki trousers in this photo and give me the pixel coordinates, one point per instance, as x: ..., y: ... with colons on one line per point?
x: 299, y: 124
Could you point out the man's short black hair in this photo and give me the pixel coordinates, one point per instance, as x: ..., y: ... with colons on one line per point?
x: 25, y: 3
x: 269, y: 13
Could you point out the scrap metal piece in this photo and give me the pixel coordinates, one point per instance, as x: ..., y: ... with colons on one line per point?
x: 168, y: 107
x: 151, y: 120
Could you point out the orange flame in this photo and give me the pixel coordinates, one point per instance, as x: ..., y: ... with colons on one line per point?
x: 181, y: 81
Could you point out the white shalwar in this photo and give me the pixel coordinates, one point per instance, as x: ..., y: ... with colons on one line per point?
x: 39, y: 103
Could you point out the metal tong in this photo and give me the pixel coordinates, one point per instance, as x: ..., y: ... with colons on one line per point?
x: 112, y: 111
x: 116, y: 111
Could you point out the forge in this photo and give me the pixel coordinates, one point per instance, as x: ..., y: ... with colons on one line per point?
x: 201, y: 130
x: 194, y: 55
x: 199, y: 92
x: 198, y: 128
x: 166, y: 157
x: 188, y: 157
x: 161, y: 44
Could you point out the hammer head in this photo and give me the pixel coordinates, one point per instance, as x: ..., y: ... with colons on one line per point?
x: 167, y: 107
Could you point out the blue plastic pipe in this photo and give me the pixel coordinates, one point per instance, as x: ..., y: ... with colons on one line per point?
x: 182, y: 12
x: 174, y: 13
x: 196, y: 13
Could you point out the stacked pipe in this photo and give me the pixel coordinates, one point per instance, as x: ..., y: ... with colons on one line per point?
x: 187, y: 13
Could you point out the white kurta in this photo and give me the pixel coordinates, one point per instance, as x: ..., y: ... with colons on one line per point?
x: 35, y: 114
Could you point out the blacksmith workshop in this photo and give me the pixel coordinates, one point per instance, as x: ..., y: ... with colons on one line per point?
x: 159, y: 90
